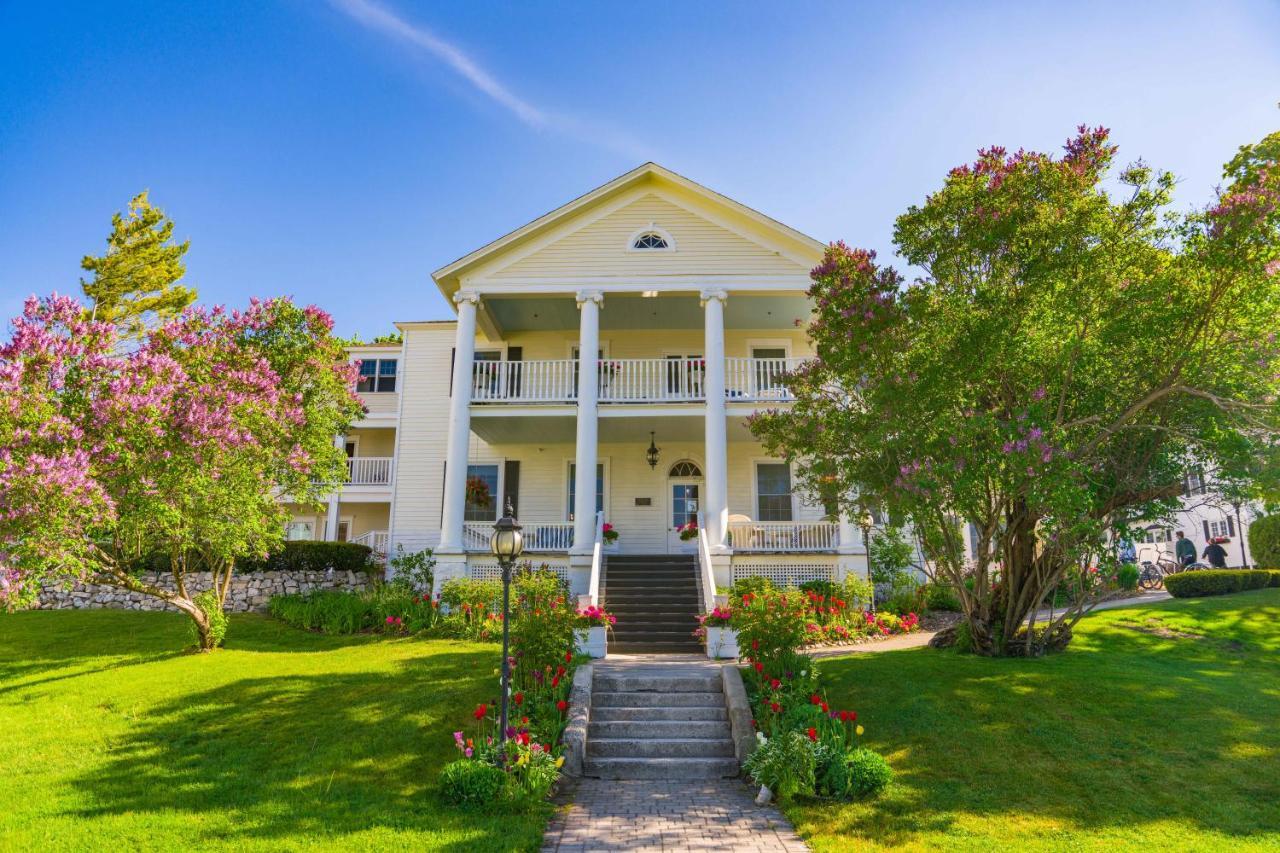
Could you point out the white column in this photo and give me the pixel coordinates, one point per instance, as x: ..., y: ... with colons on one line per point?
x: 850, y: 538
x: 715, y: 504
x: 584, y: 499
x: 331, y: 518
x: 455, y: 472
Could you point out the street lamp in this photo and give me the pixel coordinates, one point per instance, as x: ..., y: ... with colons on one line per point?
x: 507, y: 544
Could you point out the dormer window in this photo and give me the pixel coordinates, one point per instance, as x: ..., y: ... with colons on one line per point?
x: 650, y: 240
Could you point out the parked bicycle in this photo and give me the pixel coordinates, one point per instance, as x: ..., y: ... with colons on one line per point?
x: 1155, y: 571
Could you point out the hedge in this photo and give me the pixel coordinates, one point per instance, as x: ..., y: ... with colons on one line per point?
x: 1198, y: 583
x: 298, y: 556
x: 1264, y: 540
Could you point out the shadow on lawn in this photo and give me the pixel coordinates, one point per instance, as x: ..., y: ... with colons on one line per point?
x: 1124, y: 729
x: 309, y: 758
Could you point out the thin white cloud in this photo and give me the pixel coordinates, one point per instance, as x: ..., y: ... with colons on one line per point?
x: 381, y: 19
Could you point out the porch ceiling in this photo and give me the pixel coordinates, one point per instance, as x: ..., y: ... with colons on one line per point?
x: 617, y: 425
x: 625, y: 311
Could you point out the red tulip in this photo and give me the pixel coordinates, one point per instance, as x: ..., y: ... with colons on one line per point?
x: 562, y: 706
x: 479, y: 712
x: 813, y: 734
x: 519, y: 697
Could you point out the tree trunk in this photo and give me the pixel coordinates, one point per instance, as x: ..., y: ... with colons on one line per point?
x: 204, y: 639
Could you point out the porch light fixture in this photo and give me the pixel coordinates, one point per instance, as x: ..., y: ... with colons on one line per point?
x: 651, y: 455
x: 507, y: 544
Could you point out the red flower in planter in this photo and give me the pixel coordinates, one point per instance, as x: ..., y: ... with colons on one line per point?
x: 480, y: 711
x: 562, y: 706
x: 813, y: 734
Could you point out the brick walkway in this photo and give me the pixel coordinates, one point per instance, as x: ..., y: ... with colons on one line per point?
x: 643, y: 815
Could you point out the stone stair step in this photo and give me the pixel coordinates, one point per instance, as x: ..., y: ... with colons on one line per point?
x: 641, y: 699
x: 608, y: 682
x: 608, y: 747
x: 656, y: 649
x: 690, y: 713
x: 659, y: 729
x: 660, y: 768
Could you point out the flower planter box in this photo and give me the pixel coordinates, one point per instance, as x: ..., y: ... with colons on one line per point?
x: 722, y: 642
x: 593, y: 641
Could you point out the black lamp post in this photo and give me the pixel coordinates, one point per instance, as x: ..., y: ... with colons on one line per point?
x: 507, y: 544
x: 651, y: 455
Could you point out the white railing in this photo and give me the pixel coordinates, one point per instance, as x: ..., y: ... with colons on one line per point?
x: 652, y: 380
x: 784, y: 537
x: 758, y: 379
x: 378, y: 540
x: 706, y: 569
x: 593, y: 585
x: 525, y: 381
x: 538, y: 538
x: 368, y: 470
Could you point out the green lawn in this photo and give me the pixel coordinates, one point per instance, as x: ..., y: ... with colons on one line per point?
x: 1159, y: 728
x: 110, y: 737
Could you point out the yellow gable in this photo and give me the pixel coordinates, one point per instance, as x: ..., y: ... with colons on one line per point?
x: 602, y: 248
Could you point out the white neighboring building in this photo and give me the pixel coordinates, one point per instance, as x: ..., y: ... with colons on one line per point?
x: 1205, y: 516
x: 649, y: 312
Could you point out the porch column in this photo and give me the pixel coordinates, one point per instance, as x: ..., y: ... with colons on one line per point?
x: 584, y: 498
x: 331, y: 518
x: 716, y: 502
x: 455, y: 471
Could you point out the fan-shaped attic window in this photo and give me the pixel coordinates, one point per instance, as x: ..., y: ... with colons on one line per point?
x: 650, y: 240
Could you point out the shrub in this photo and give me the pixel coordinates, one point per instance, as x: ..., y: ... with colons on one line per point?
x: 1127, y: 577
x: 904, y: 600
x: 868, y: 773
x: 783, y: 764
x: 385, y: 609
x: 1264, y: 540
x: 940, y: 596
x: 212, y: 607
x: 751, y: 585
x: 313, y: 556
x: 412, y: 570
x: 472, y: 784
x: 772, y: 626
x: 1215, y: 582
x: 824, y: 588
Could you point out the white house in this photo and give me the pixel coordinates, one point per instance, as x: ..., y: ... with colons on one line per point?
x: 1204, y: 516
x: 650, y: 312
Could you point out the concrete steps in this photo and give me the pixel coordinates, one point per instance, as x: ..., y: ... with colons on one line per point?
x: 655, y: 599
x: 658, y: 721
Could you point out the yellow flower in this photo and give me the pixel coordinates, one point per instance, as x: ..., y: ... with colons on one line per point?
x: 560, y: 762
x: 858, y: 730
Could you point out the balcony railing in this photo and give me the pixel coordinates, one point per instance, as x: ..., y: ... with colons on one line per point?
x: 556, y: 537
x: 368, y: 470
x: 378, y: 540
x: 784, y: 536
x: 629, y: 380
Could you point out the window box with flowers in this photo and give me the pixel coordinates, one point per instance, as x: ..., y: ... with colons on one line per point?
x: 592, y: 631
x: 722, y: 640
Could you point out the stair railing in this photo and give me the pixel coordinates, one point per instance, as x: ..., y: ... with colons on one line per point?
x: 705, y: 569
x: 597, y: 548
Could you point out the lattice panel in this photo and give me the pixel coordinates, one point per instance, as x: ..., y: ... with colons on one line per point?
x: 785, y: 574
x: 492, y: 571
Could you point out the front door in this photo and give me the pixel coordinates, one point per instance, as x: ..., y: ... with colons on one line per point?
x: 682, y: 509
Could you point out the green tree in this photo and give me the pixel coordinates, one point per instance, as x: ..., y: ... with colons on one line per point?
x: 136, y: 280
x: 1062, y: 358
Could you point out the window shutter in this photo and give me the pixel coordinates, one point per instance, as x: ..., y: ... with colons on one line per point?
x: 1207, y: 537
x: 1231, y: 526
x: 515, y: 354
x: 511, y: 487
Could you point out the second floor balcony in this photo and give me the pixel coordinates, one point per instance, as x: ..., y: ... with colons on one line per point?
x: 630, y: 380
x: 369, y: 470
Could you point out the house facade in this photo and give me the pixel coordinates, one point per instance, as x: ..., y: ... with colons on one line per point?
x: 599, y: 375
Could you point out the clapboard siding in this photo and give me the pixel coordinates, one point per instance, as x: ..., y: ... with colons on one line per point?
x: 600, y: 248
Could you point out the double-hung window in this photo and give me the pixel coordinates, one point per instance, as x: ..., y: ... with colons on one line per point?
x: 477, y: 510
x: 573, y: 488
x: 377, y: 375
x: 1195, y: 484
x: 773, y: 491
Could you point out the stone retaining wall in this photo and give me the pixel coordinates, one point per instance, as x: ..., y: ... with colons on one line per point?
x: 248, y: 591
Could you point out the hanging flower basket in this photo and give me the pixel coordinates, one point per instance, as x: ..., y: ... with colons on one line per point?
x: 478, y: 494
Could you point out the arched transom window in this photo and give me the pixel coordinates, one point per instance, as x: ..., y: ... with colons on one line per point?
x: 651, y: 238
x: 686, y: 469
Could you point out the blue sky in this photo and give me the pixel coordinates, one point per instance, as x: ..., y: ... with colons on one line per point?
x: 340, y: 151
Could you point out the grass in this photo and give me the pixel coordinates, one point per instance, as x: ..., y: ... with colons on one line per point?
x: 1159, y: 728
x: 111, y: 737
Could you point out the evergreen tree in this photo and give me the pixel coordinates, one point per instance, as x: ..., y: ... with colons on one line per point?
x: 137, y: 279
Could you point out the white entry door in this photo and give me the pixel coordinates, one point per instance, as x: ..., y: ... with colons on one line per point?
x: 684, y: 501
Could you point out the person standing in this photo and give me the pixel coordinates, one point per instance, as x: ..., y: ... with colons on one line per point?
x: 1216, y: 555
x: 1184, y: 550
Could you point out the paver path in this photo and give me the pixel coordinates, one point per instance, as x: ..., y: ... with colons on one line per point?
x: 636, y: 814
x: 644, y: 815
